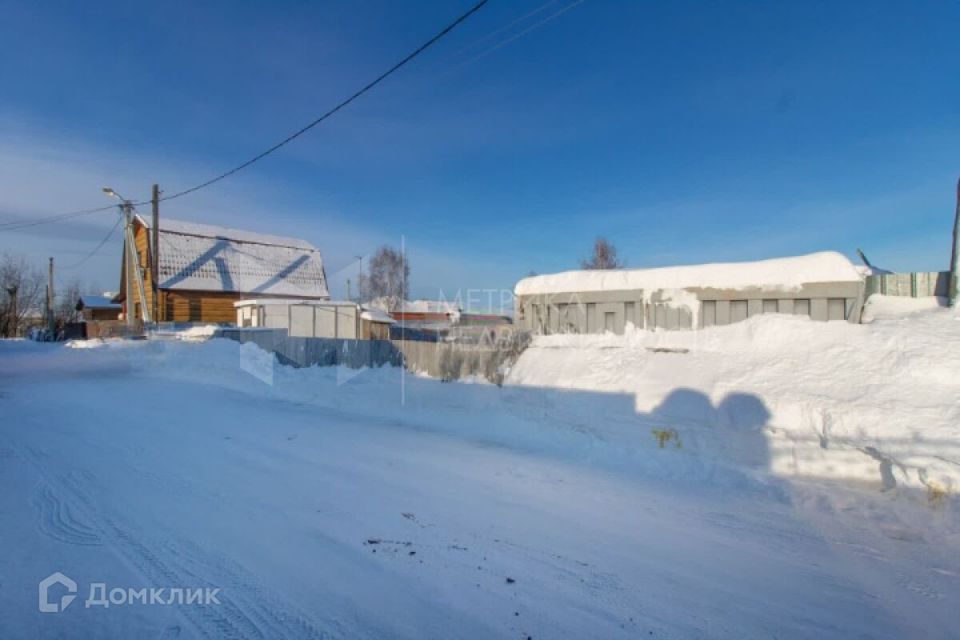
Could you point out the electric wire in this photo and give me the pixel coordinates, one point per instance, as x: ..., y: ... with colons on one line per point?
x: 370, y: 85
x: 521, y: 33
x: 14, y: 226
x: 23, y: 224
x: 106, y: 239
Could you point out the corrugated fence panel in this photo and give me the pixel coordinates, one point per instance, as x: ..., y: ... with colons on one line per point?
x: 448, y: 361
x: 919, y: 284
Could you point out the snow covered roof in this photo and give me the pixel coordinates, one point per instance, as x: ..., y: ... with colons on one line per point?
x: 97, y: 302
x: 374, y: 314
x: 779, y: 273
x: 212, y: 231
x: 429, y: 306
x: 260, y: 302
x: 201, y: 257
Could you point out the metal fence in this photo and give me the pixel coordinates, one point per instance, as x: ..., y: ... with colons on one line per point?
x: 444, y: 360
x: 920, y: 284
x: 112, y: 329
x: 327, y: 352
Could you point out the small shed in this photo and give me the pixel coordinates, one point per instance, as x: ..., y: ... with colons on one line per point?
x: 315, y: 318
x: 98, y: 308
x: 375, y: 324
x: 301, y: 318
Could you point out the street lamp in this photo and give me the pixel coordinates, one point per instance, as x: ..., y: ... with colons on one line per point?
x: 360, y: 281
x: 129, y: 252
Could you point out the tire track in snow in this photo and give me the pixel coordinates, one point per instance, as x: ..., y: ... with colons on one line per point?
x: 56, y: 520
x: 247, y: 609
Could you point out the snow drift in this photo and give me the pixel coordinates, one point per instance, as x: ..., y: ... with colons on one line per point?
x: 876, y: 405
x: 331, y: 503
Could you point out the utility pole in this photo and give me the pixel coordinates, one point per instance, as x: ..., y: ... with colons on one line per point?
x: 955, y: 254
x: 348, y: 289
x: 51, y: 326
x: 155, y: 254
x: 129, y: 261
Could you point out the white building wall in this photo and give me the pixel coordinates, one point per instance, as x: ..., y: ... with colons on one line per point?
x: 302, y: 319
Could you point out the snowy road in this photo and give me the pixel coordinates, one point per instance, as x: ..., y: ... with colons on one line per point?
x: 322, y: 522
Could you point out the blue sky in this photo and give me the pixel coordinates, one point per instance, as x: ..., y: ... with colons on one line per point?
x: 685, y: 131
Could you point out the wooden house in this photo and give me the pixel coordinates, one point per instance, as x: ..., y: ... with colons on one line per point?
x: 203, y: 269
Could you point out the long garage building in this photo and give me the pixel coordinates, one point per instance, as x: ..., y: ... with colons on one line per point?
x: 823, y: 286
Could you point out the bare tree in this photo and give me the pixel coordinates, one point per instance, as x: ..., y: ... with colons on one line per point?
x: 386, y: 278
x: 66, y: 305
x: 22, y: 288
x: 604, y: 256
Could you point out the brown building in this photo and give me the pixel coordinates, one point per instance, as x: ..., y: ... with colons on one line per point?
x: 203, y: 269
x: 98, y: 308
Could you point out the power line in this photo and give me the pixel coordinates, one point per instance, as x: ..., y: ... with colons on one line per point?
x: 383, y: 76
x: 13, y: 226
x: 520, y: 34
x: 23, y: 224
x: 106, y: 239
x: 506, y: 27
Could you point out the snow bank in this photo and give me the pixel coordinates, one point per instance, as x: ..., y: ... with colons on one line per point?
x: 785, y: 274
x: 318, y: 520
x: 775, y: 397
x: 197, y: 332
x: 876, y: 405
x: 878, y: 306
x: 561, y: 425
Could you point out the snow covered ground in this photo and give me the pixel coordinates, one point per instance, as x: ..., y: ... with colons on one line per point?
x: 877, y: 404
x: 327, y: 503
